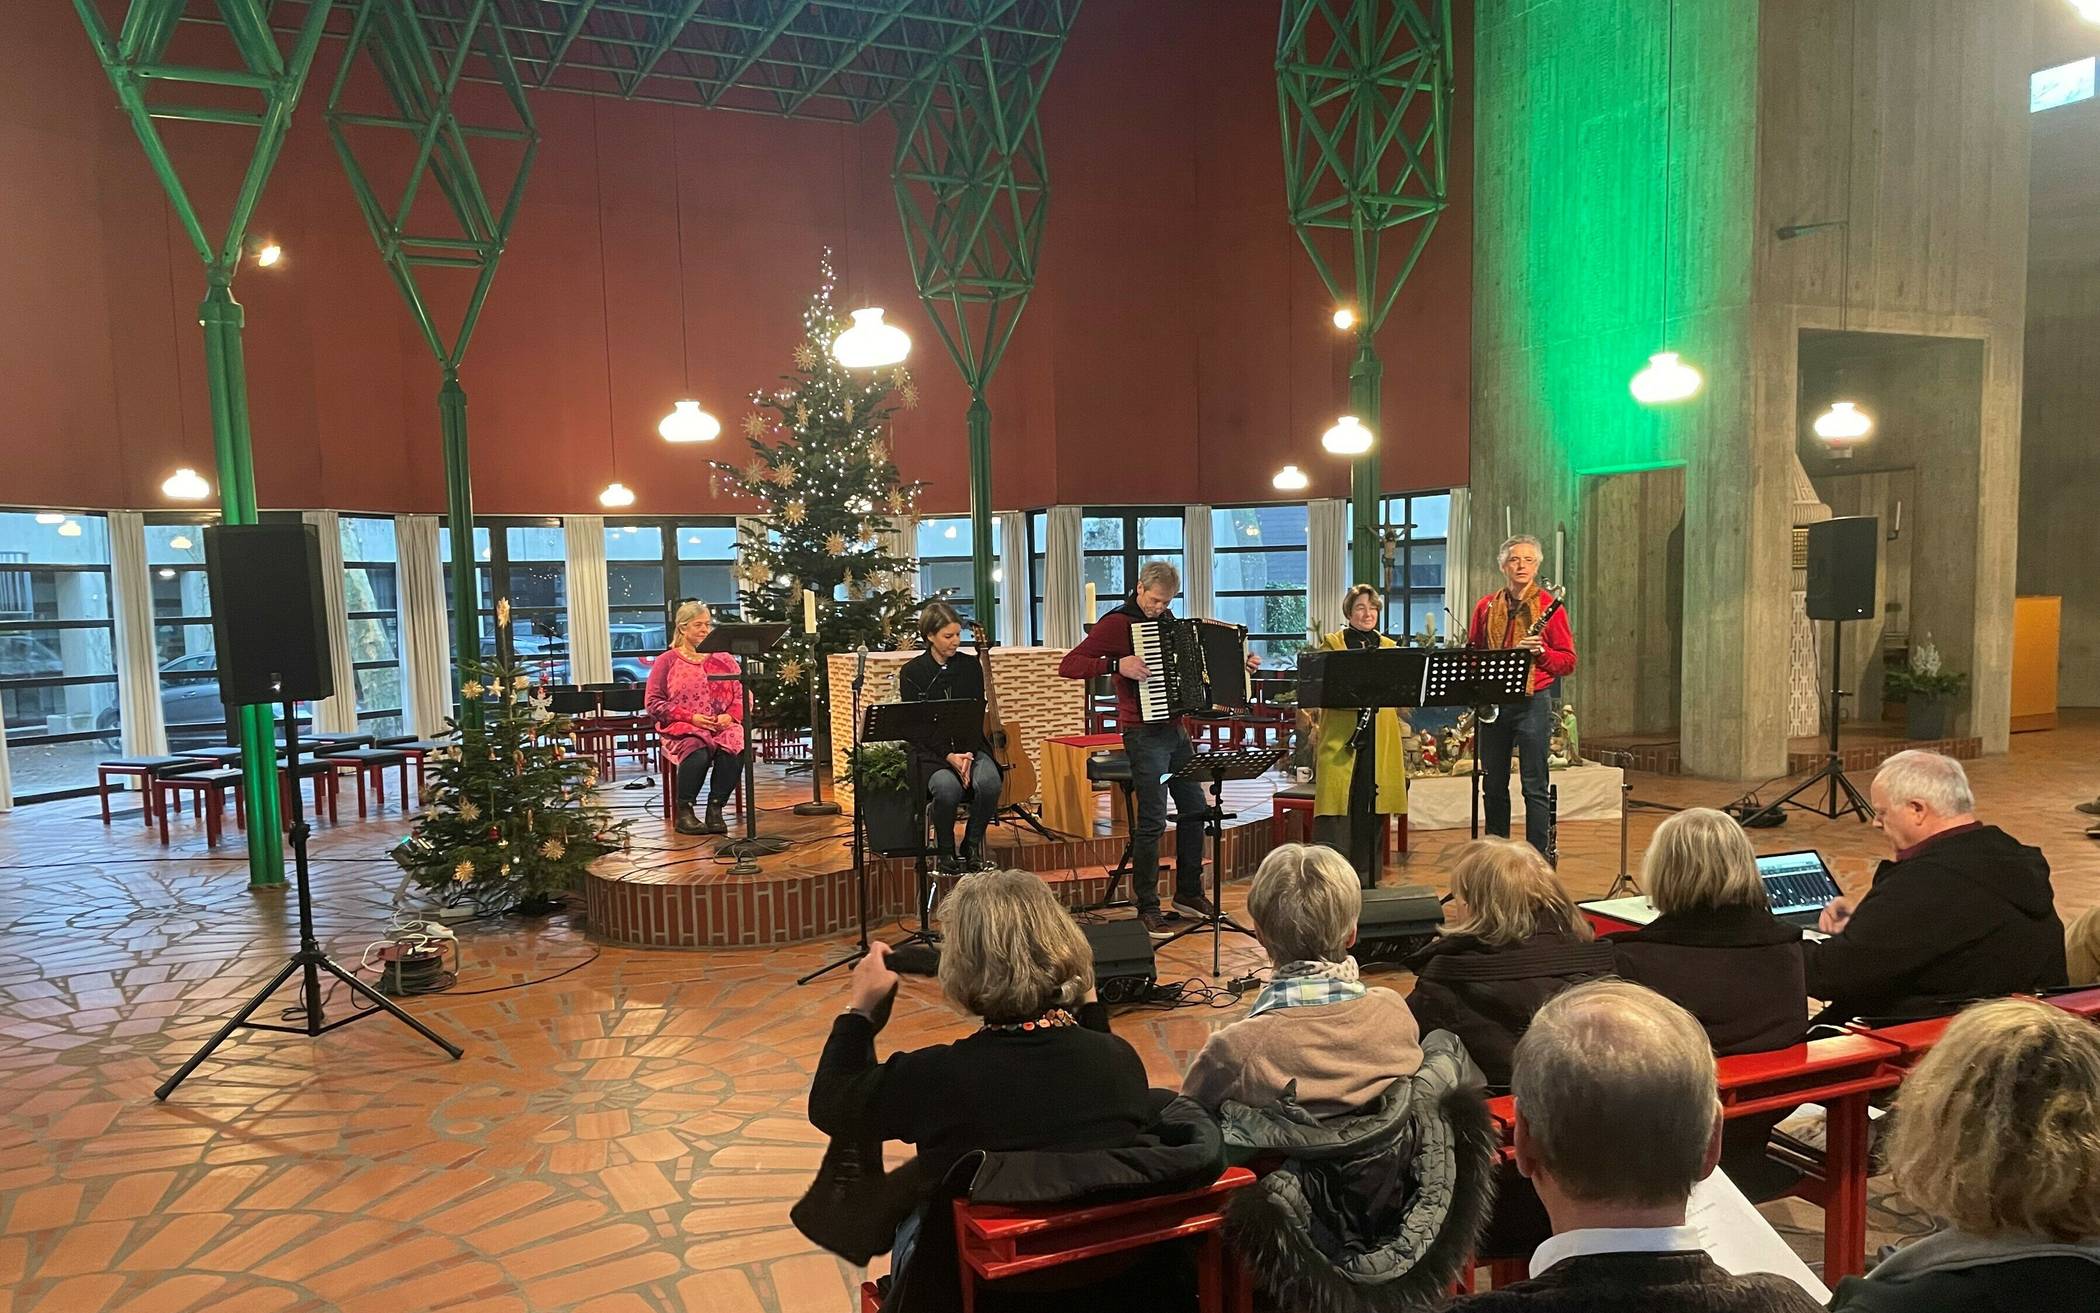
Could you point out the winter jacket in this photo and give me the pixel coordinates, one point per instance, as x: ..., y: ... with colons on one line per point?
x: 1643, y: 1283
x: 925, y: 680
x: 1371, y: 1211
x: 1486, y: 994
x: 1968, y: 916
x: 1737, y: 969
x: 1952, y: 1271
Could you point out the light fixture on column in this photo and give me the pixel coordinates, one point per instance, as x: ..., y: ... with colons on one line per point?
x: 870, y: 343
x: 1290, y: 479
x: 186, y: 484
x: 1666, y: 378
x: 686, y: 422
x: 1348, y: 437
x: 1344, y: 317
x: 1843, y: 427
x: 616, y: 494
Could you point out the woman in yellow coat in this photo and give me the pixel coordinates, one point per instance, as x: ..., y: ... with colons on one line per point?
x: 1358, y: 777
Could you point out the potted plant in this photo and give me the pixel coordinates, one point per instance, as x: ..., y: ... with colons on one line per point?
x: 882, y: 795
x: 1925, y: 690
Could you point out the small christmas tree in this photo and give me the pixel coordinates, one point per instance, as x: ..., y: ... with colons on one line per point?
x: 820, y: 465
x: 508, y: 817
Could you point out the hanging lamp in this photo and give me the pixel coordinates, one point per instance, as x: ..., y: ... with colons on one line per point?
x: 870, y: 343
x: 1666, y: 378
x: 186, y: 484
x: 1348, y: 437
x: 1290, y: 479
x: 686, y: 422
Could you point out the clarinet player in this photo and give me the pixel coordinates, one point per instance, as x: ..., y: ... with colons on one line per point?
x: 1510, y: 617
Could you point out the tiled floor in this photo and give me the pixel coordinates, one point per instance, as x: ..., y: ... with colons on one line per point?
x: 624, y: 1134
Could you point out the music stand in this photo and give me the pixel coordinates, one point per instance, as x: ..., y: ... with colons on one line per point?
x: 1476, y: 677
x: 747, y: 643
x: 1213, y: 769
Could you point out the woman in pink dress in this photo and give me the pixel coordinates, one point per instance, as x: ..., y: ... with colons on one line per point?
x: 699, y: 719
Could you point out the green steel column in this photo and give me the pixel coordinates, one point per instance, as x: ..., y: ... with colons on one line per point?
x: 981, y: 513
x: 1366, y: 559
x: 459, y: 518
x: 226, y: 374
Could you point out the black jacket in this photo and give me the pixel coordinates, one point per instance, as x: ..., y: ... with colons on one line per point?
x: 1486, y: 995
x: 1954, y: 1273
x: 925, y: 680
x: 1969, y: 916
x: 1638, y: 1283
x: 1372, y: 1210
x: 1738, y: 969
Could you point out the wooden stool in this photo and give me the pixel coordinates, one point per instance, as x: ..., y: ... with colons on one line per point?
x: 145, y: 770
x: 1297, y: 801
x: 371, y: 763
x: 208, y: 789
x: 325, y: 791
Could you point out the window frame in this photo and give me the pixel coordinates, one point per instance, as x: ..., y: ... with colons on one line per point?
x: 669, y: 529
x: 108, y: 624
x: 1396, y: 521
x: 965, y: 603
x: 400, y: 658
x: 1256, y: 638
x: 1131, y: 554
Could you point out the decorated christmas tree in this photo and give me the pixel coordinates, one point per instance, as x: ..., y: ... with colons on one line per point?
x: 820, y: 466
x: 508, y: 819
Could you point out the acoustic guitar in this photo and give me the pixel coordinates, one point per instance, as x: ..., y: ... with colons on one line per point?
x: 1004, y: 735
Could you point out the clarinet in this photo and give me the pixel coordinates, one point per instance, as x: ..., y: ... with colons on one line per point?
x: 1488, y: 713
x: 1553, y: 826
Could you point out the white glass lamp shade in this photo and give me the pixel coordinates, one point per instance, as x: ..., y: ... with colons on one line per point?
x: 1666, y: 379
x: 688, y: 423
x: 1843, y: 427
x: 1290, y: 479
x: 1348, y: 437
x: 616, y: 494
x: 186, y: 484
x: 70, y: 529
x: 870, y: 343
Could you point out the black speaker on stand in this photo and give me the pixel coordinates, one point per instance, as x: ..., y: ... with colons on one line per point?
x: 273, y: 646
x: 1841, y: 561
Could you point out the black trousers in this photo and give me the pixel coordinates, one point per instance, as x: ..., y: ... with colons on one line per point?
x: 726, y: 765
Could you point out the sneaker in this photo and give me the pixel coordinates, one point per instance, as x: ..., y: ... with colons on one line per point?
x: 1155, y: 924
x: 1195, y: 905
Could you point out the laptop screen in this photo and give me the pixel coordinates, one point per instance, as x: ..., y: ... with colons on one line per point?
x: 1796, y: 882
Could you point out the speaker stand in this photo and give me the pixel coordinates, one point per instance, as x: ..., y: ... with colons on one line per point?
x: 1832, y: 771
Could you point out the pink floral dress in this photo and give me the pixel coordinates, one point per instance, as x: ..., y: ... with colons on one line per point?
x: 679, y: 689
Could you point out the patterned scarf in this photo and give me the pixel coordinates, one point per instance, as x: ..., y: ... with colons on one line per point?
x: 1309, y: 984
x: 1528, y: 608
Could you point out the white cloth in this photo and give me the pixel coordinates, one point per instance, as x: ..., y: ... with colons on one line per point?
x: 138, y: 659
x: 1458, y: 564
x: 338, y: 714
x: 426, y: 638
x: 1615, y: 1240
x: 1198, y: 592
x: 1063, y: 596
x: 1444, y: 802
x: 590, y: 620
x: 1014, y: 582
x: 1326, y: 562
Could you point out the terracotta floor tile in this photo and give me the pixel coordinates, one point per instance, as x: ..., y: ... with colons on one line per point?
x: 176, y: 1242
x: 343, y: 1239
x: 756, y: 1248
x: 133, y: 1196
x: 44, y: 1208
x: 86, y: 1294
x: 257, y: 1240
x: 811, y: 1281
x: 535, y: 1226
x: 84, y: 1249
x: 724, y: 1290
x: 639, y: 1186
x: 573, y: 1287
x: 175, y: 1294
x: 574, y: 1250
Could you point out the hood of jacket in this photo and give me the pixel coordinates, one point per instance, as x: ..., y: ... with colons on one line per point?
x: 1183, y: 1149
x: 1464, y: 957
x: 1376, y: 1210
x: 1949, y: 1251
x: 1991, y: 862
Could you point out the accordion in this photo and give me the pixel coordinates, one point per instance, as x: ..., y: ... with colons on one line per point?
x: 1196, y: 665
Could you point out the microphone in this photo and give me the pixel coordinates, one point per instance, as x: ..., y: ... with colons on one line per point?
x: 860, y: 663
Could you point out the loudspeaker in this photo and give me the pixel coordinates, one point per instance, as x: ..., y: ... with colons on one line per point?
x: 1123, y: 969
x: 1396, y: 922
x: 267, y: 613
x: 1841, y: 567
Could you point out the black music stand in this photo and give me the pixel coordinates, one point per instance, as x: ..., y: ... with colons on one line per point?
x: 1477, y: 677
x: 1213, y: 769
x: 947, y: 726
x: 747, y: 643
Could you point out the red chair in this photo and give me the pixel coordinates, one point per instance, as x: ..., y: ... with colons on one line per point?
x: 207, y: 790
x: 2084, y: 1003
x: 996, y: 1242
x: 1297, y: 801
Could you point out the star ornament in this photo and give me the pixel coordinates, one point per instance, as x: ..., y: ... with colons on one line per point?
x: 755, y: 472
x: 878, y: 451
x: 755, y: 425
x: 790, y: 671
x: 784, y: 473
x: 796, y: 512
x: 801, y: 415
x: 910, y: 394
x: 805, y: 357
x: 836, y: 544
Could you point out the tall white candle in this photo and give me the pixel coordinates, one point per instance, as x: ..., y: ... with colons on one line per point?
x: 1089, y: 617
x: 1560, y: 541
x: 809, y: 611
x: 1507, y: 530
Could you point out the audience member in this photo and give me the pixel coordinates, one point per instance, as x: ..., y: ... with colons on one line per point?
x: 1963, y: 911
x: 2082, y: 949
x: 1997, y: 1132
x: 1514, y: 940
x: 1314, y: 1026
x: 1617, y: 1118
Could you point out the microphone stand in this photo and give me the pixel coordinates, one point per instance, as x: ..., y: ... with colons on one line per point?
x: 817, y: 806
x: 860, y: 854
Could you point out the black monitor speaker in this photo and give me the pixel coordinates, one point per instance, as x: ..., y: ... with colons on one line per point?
x: 268, y: 614
x: 1123, y: 970
x: 1841, y: 567
x: 1396, y: 922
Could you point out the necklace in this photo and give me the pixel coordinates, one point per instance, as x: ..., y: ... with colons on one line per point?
x: 1050, y: 1020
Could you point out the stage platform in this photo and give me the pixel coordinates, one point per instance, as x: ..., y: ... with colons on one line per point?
x: 675, y: 891
x: 1863, y: 747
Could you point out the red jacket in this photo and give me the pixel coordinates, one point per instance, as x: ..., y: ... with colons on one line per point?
x: 1557, y: 661
x: 1105, y: 644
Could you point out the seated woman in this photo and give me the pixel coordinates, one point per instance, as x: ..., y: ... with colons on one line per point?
x: 1514, y: 939
x: 939, y: 673
x: 1998, y: 1133
x: 2082, y: 949
x: 699, y: 719
x: 1716, y: 950
x: 1041, y: 1071
x: 1314, y: 1024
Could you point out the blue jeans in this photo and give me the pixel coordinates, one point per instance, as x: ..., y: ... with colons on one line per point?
x: 1157, y: 751
x: 946, y: 790
x: 1529, y: 729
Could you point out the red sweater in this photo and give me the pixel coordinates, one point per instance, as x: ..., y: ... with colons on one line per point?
x: 1105, y: 644
x: 1557, y: 661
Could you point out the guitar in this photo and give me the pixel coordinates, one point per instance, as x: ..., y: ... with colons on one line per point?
x: 1004, y: 735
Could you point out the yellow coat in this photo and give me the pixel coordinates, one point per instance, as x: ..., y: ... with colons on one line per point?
x: 1333, y: 761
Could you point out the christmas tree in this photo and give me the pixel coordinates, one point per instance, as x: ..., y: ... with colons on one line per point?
x: 820, y: 466
x: 508, y: 818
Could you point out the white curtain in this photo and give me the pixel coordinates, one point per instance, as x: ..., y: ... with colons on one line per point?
x: 901, y: 540
x: 7, y: 787
x: 1458, y: 562
x: 590, y: 621
x: 1014, y: 585
x: 138, y: 663
x: 1326, y: 561
x: 1197, y: 595
x: 338, y: 714
x: 1063, y: 596
x: 426, y: 646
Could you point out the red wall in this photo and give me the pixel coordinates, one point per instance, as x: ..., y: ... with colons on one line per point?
x: 1177, y: 346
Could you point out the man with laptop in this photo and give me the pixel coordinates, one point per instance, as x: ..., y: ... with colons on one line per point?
x: 1963, y: 911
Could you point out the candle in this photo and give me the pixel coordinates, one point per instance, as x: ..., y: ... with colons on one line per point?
x: 1560, y: 540
x: 1089, y: 601
x: 1898, y: 526
x: 809, y: 612
x: 1432, y: 628
x: 1507, y: 530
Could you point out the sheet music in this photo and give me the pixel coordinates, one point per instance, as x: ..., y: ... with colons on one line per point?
x: 1636, y: 910
x: 1739, y: 1239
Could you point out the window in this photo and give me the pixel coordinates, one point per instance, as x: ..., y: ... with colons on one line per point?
x: 1038, y: 534
x: 1416, y: 528
x: 58, y: 675
x: 650, y: 566
x: 2066, y: 84
x: 524, y: 561
x: 1259, y: 576
x: 183, y: 645
x: 1115, y: 542
x: 371, y: 596
x: 947, y: 568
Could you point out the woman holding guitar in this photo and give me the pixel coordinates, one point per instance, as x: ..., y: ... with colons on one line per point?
x: 943, y: 672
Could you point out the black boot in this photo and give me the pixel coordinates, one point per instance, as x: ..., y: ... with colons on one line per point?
x: 715, y: 823
x: 973, y: 857
x: 687, y: 822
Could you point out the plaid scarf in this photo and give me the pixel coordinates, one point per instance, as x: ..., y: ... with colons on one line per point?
x: 1309, y: 984
x: 1499, y: 618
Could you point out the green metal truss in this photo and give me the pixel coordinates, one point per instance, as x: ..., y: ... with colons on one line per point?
x: 270, y: 79
x: 420, y: 60
x: 1364, y: 89
x: 972, y: 188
